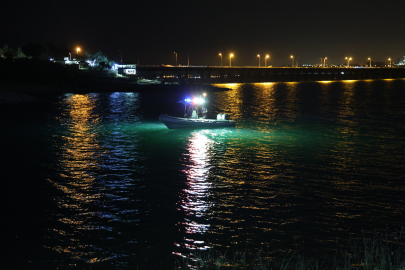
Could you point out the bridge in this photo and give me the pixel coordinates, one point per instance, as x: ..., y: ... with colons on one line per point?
x: 246, y: 74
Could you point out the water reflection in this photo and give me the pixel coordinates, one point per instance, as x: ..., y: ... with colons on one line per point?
x: 78, y: 139
x: 77, y: 167
x: 96, y: 151
x: 202, y: 148
x: 307, y: 161
x: 300, y: 149
x: 264, y: 102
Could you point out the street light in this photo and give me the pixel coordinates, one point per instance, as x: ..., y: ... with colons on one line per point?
x: 348, y: 61
x: 176, y: 57
x: 230, y: 59
x: 220, y: 54
x: 370, y: 61
x: 265, y: 60
x: 324, y: 65
x: 292, y: 63
x: 259, y: 59
x: 77, y: 50
x: 390, y: 62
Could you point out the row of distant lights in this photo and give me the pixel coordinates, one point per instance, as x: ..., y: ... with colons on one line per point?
x: 292, y: 57
x: 267, y: 56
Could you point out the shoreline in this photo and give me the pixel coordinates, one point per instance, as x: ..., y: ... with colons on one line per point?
x: 99, y: 87
x: 30, y: 93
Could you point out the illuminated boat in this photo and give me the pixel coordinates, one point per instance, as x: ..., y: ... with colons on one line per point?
x: 178, y: 122
x: 197, y: 118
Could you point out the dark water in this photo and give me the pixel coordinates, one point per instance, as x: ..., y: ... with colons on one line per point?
x: 95, y: 181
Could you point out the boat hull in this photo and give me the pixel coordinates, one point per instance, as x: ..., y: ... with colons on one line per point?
x: 176, y: 122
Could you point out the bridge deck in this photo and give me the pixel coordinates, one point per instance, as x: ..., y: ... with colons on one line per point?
x: 218, y: 74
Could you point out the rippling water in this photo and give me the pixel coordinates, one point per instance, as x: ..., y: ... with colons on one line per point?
x: 96, y: 180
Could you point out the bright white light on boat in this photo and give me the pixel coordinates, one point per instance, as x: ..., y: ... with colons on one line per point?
x: 198, y: 100
x: 187, y: 100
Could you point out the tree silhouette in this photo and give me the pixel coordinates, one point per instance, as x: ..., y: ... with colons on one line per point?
x: 34, y: 50
x: 99, y: 59
x: 6, y: 52
x: 54, y: 51
x: 19, y: 53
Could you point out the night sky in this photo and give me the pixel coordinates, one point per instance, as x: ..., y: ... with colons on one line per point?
x: 154, y: 30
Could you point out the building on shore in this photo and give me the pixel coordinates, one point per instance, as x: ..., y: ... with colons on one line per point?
x: 124, y: 69
x: 401, y: 61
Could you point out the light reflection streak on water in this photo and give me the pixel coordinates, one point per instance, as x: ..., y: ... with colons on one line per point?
x: 76, y: 160
x: 76, y: 166
x: 89, y: 198
x: 195, y: 199
x: 231, y: 101
x: 265, y: 104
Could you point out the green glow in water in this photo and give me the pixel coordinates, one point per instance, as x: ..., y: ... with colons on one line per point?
x: 309, y: 160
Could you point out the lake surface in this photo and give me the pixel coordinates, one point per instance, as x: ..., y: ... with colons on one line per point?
x: 95, y: 180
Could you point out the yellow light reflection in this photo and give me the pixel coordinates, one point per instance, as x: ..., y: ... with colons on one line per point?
x: 77, y: 161
x: 349, y: 81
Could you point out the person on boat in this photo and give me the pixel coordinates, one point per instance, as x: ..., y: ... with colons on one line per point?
x: 195, y: 114
x: 204, y: 112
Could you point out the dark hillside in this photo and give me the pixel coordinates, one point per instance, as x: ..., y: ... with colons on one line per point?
x: 40, y: 72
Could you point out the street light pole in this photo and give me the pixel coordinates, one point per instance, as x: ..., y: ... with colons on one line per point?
x: 370, y: 61
x: 230, y: 59
x: 390, y: 62
x: 324, y: 65
x: 292, y: 59
x: 259, y: 59
x: 188, y: 60
x: 265, y: 60
x: 220, y: 54
x: 176, y: 58
x: 77, y: 50
x: 321, y: 62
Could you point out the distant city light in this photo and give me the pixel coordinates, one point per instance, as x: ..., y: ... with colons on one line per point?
x: 348, y: 61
